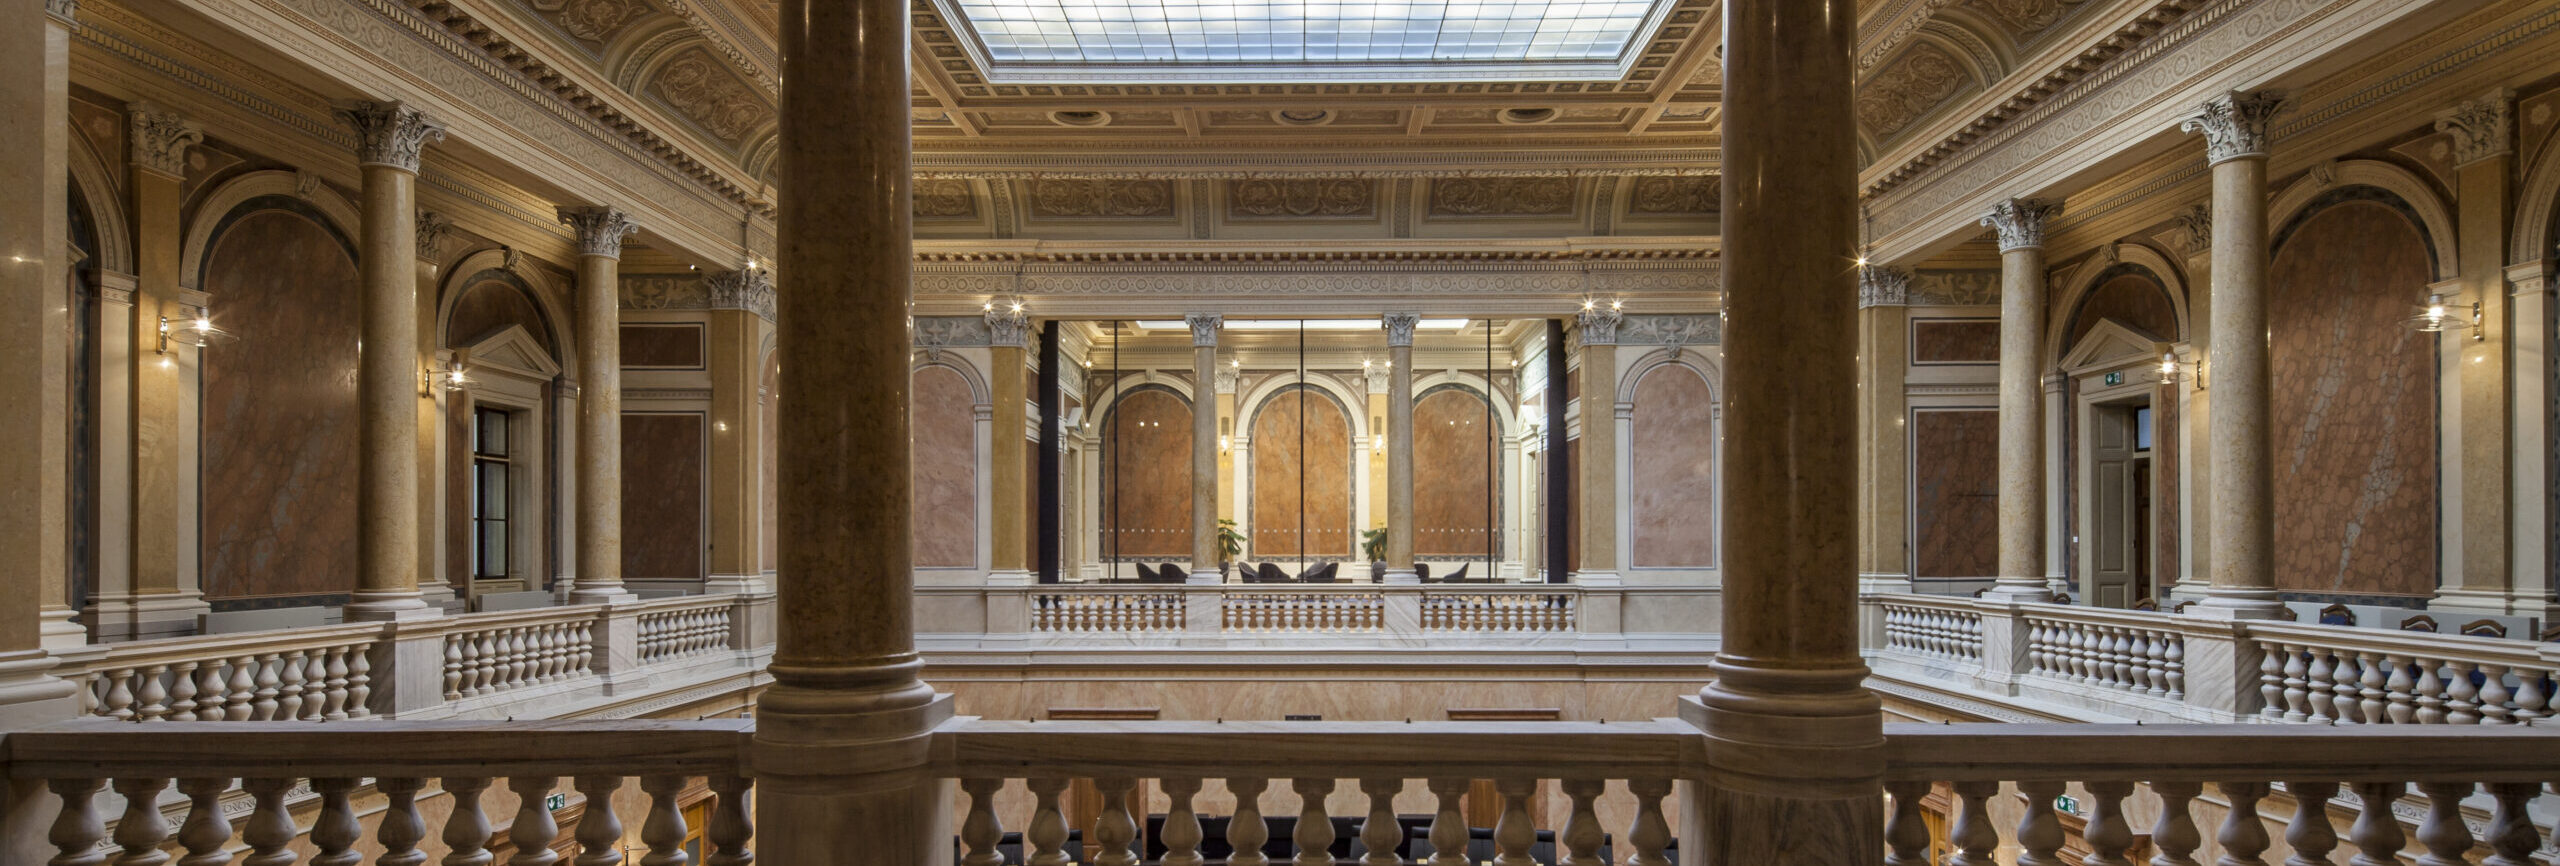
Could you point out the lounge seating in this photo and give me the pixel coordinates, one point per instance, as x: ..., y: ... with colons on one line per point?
x: 1459, y: 576
x: 1272, y: 574
x: 1320, y: 574
x: 1422, y: 571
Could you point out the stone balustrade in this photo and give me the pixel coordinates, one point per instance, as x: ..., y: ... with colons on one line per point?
x: 2063, y: 661
x: 1477, y: 617
x: 511, y: 663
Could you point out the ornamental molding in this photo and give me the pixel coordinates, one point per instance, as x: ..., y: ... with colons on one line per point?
x: 67, y: 12
x: 1280, y: 198
x: 1883, y: 286
x: 2020, y: 222
x: 1502, y: 196
x: 1007, y: 325
x: 1204, y: 328
x: 388, y: 132
x: 1399, y: 328
x: 1963, y: 288
x: 160, y: 138
x: 1313, y: 160
x: 2482, y: 128
x: 1441, y: 283
x: 1600, y: 326
x: 2195, y: 226
x: 748, y: 290
x: 663, y: 293
x: 934, y: 334
x: 434, y: 232
x: 600, y: 230
x: 2234, y: 124
x: 1674, y: 331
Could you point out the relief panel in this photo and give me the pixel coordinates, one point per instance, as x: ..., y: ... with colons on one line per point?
x: 1903, y: 92
x: 706, y: 90
x: 1502, y: 196
x: 945, y: 460
x: 1286, y: 198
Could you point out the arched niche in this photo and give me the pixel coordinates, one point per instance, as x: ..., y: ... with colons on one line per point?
x: 1301, y: 478
x: 1673, y: 444
x: 943, y: 411
x: 1457, y: 473
x: 1145, y: 479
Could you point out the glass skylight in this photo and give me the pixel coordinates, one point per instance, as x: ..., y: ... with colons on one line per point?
x: 1262, y: 40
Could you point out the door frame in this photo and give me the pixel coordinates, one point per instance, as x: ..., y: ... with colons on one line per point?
x: 2109, y: 348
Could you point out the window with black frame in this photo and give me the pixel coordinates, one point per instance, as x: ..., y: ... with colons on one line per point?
x: 490, y: 470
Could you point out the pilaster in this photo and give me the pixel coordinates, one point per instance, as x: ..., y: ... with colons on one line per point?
x: 1008, y: 453
x: 1884, y: 552
x: 34, y: 384
x: 737, y: 438
x: 156, y: 603
x: 2484, y: 158
x: 1598, y: 457
x: 435, y: 584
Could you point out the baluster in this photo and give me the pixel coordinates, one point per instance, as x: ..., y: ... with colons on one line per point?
x: 2271, y: 680
x: 731, y: 827
x: 153, y: 701
x: 360, y: 681
x: 401, y: 829
x: 2040, y: 832
x: 2530, y: 698
x: 2444, y: 834
x: 467, y: 830
x: 1513, y: 833
x: 182, y: 692
x: 2155, y: 662
x: 1246, y: 832
x: 2431, y: 694
x: 1650, y: 833
x: 2173, y: 665
x: 77, y: 828
x: 2243, y: 836
x: 2494, y: 695
x: 315, y: 685
x: 212, y: 691
x: 2346, y: 690
x: 271, y: 828
x: 1108, y: 843
x: 335, y: 832
x: 2107, y: 832
x: 1972, y: 835
x: 1181, y: 834
x: 1048, y: 831
x: 1906, y: 831
x: 2310, y: 833
x: 335, y: 708
x: 1314, y: 833
x: 205, y: 830
x: 2125, y: 658
x: 599, y: 831
x: 452, y: 668
x: 664, y: 830
x: 2315, y: 684
x: 2400, y: 690
x: 2511, y: 836
x: 1448, y: 824
x: 2377, y: 832
x: 1581, y: 836
x: 2175, y: 834
x: 141, y: 830
x: 2297, y: 694
x: 288, y: 686
x: 2461, y: 697
x: 2369, y: 689
x: 1379, y: 832
x: 982, y: 831
x: 243, y: 688
x: 533, y: 829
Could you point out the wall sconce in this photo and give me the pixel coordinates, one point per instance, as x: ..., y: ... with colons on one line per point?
x: 2441, y: 314
x: 1224, y: 445
x: 1378, y: 442
x: 198, y: 331
x: 1590, y: 303
x: 450, y: 373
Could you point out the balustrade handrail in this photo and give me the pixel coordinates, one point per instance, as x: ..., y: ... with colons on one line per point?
x: 96, y: 749
x: 1132, y: 588
x: 1578, y: 750
x: 171, y: 650
x: 2213, y: 753
x: 2426, y: 644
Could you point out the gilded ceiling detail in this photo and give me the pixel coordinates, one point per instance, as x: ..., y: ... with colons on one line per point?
x: 592, y: 21
x: 1505, y: 196
x: 945, y: 199
x: 1907, y: 89
x: 2026, y: 16
x: 703, y: 88
x: 1073, y: 199
x: 1676, y: 196
x: 1301, y: 198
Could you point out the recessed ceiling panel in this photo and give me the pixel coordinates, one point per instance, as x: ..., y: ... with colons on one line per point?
x: 1069, y: 41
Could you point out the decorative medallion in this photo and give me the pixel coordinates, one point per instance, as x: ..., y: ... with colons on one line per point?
x: 1301, y: 198
x: 1502, y: 196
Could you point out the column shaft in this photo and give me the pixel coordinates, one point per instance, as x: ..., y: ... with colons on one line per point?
x: 34, y: 368
x: 387, y: 384
x: 1204, y: 464
x: 599, y: 337
x: 2243, y: 469
x: 1400, y: 528
x: 2021, y: 575
x: 1009, y: 455
x: 1598, y: 459
x: 1795, y: 751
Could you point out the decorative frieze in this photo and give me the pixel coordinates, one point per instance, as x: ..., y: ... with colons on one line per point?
x: 1261, y: 198
x: 1931, y: 288
x: 1600, y: 325
x: 600, y: 230
x: 2020, y: 222
x: 1204, y: 328
x: 750, y: 290
x: 1915, y: 84
x: 1086, y: 199
x: 2482, y: 128
x: 1673, y: 331
x: 1399, y: 327
x: 2235, y: 123
x: 1883, y: 286
x: 595, y: 21
x: 709, y: 92
x: 388, y: 133
x: 67, y: 12
x: 1677, y: 196
x: 1510, y: 196
x: 933, y: 334
x: 945, y: 200
x: 160, y: 139
x: 663, y: 293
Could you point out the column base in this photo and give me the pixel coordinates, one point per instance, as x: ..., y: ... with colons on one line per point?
x: 1010, y: 578
x: 390, y: 606
x: 2232, y: 603
x: 30, y: 695
x: 1598, y: 578
x: 123, y: 617
x: 1880, y: 583
x: 58, y: 628
x: 1199, y: 577
x: 2016, y: 590
x: 1395, y: 575
x: 615, y: 594
x: 734, y: 584
x: 2492, y: 602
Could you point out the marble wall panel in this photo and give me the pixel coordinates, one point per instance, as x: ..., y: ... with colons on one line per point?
x: 1301, y: 477
x: 770, y: 456
x: 662, y: 347
x: 2165, y: 516
x: 1454, y: 513
x: 662, y: 496
x: 945, y: 461
x: 1573, y: 503
x: 2130, y: 296
x: 1674, y: 489
x: 1955, y: 341
x: 2354, y: 408
x: 1146, y: 477
x: 1956, y: 485
x: 280, y: 415
x: 489, y: 306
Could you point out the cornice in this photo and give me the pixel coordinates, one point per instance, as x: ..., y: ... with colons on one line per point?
x: 1315, y: 161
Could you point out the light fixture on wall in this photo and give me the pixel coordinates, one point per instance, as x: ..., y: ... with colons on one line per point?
x: 450, y: 372
x: 2443, y: 313
x: 197, y: 331
x: 1378, y: 442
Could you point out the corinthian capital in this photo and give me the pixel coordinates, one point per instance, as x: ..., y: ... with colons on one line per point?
x: 2482, y: 128
x: 1009, y: 325
x: 161, y: 138
x: 1883, y: 286
x: 2235, y: 123
x: 65, y: 11
x: 2020, y: 221
x: 388, y: 133
x: 600, y: 229
x: 1600, y: 325
x: 1400, y: 327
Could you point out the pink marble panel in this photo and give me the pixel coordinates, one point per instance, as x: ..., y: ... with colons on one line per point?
x: 1453, y: 508
x: 770, y: 455
x: 1281, y: 463
x: 662, y: 496
x: 1674, y: 488
x: 1146, y: 477
x: 1955, y: 477
x: 945, y: 461
x: 279, y: 437
x: 1955, y: 341
x: 488, y: 307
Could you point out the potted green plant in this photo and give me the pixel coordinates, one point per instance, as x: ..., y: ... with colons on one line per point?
x: 1373, y: 544
x: 1230, y: 545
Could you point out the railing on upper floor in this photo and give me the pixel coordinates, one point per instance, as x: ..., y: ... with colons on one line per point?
x: 1494, y: 617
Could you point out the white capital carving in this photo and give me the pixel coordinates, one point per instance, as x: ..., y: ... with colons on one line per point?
x: 2235, y: 123
x: 600, y: 229
x: 1400, y: 327
x: 751, y: 291
x: 161, y: 139
x: 433, y: 230
x: 1226, y: 381
x: 2197, y: 221
x: 1008, y: 325
x: 65, y: 11
x: 2482, y: 128
x: 1600, y: 325
x: 2020, y: 221
x: 1883, y: 286
x: 1204, y: 328
x: 388, y: 132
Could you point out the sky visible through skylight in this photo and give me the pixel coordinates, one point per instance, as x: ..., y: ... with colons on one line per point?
x: 1267, y: 33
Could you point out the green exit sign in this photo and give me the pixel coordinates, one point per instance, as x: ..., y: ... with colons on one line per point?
x: 2115, y: 378
x: 556, y: 802
x: 2066, y: 803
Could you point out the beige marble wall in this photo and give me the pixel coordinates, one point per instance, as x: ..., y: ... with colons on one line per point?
x: 1955, y: 500
x: 945, y: 466
x: 1674, y: 482
x: 662, y: 495
x: 1146, y: 477
x: 1301, y: 478
x: 1453, y: 475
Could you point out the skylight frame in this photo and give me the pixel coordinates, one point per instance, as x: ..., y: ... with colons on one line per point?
x: 1016, y: 72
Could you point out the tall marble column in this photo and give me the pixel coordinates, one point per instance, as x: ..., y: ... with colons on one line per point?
x: 389, y: 136
x: 2243, y: 493
x: 156, y: 606
x: 1008, y: 452
x: 1399, y: 328
x: 1884, y: 550
x: 1204, y: 447
x: 840, y: 752
x: 57, y: 625
x: 1795, y: 751
x: 2483, y: 132
x: 2020, y: 224
x: 1597, y: 461
x: 35, y: 371
x: 740, y: 302
x: 599, y: 472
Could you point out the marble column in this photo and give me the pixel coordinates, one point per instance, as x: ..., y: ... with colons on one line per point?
x: 1795, y: 741
x: 840, y: 751
x: 2020, y: 224
x: 1399, y: 327
x: 435, y: 577
x: 2483, y: 133
x: 599, y: 462
x: 1884, y: 550
x: 2243, y: 487
x: 740, y: 301
x: 1008, y: 452
x: 2195, y: 413
x: 1204, y: 447
x: 389, y: 136
x: 156, y: 605
x: 1597, y: 461
x: 35, y: 373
